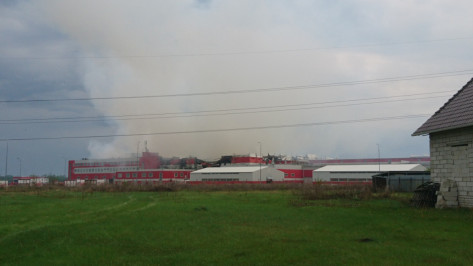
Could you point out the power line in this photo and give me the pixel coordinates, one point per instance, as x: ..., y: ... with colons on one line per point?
x: 366, y: 45
x: 223, y: 112
x: 205, y: 112
x: 226, y: 129
x: 233, y: 109
x: 288, y: 88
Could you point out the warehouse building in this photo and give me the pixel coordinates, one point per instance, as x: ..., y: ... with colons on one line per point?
x: 245, y: 174
x: 359, y: 173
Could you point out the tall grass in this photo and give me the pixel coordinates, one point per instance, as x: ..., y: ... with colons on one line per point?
x: 159, y: 187
x: 316, y: 191
x: 320, y: 191
x: 303, y: 194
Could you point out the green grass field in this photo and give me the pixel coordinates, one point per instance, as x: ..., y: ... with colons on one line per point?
x: 226, y: 228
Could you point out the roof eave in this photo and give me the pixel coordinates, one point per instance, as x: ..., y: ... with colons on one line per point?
x: 428, y: 132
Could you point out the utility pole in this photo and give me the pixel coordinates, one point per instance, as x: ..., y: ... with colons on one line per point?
x: 379, y: 159
x: 6, y: 164
x: 19, y: 159
x: 137, y: 156
x: 260, y: 153
x: 65, y: 166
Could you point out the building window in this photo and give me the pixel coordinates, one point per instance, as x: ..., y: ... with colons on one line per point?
x: 182, y: 174
x: 175, y: 174
x: 285, y: 175
x: 150, y: 174
x: 143, y: 174
x: 135, y: 175
x: 120, y: 175
x: 293, y: 175
x: 127, y: 175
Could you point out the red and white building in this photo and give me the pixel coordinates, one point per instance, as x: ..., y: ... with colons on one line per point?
x: 149, y: 167
x: 286, y: 171
x: 152, y: 168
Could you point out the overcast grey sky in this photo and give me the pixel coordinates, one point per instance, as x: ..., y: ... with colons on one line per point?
x: 279, y: 59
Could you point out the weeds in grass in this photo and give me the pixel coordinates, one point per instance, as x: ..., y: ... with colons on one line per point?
x: 323, y: 191
x: 161, y: 187
x: 309, y: 193
x: 304, y: 193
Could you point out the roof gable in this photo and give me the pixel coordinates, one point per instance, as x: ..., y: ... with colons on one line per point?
x: 455, y: 113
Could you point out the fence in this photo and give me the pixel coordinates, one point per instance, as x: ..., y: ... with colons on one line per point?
x: 400, y: 181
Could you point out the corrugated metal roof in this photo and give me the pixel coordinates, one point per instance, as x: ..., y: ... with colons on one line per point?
x: 371, y: 168
x: 241, y: 169
x: 456, y: 113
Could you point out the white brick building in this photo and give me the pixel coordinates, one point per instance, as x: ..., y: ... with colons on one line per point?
x: 451, y: 148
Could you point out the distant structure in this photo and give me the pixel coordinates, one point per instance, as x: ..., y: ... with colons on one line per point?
x: 423, y: 160
x: 361, y: 172
x: 147, y: 168
x: 451, y: 147
x: 238, y: 174
x: 30, y: 180
x: 152, y: 168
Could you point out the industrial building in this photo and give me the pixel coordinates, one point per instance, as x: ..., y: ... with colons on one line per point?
x: 423, y: 160
x: 359, y: 173
x: 153, y: 175
x: 235, y: 174
x: 294, y: 171
x: 151, y: 168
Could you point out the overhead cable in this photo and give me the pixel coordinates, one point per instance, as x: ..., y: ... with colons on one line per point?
x: 222, y: 112
x: 288, y: 88
x: 224, y: 129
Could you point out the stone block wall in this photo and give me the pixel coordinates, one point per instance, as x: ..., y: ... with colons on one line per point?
x: 447, y: 196
x: 451, y: 157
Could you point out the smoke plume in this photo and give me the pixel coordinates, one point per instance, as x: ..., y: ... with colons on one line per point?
x: 143, y: 48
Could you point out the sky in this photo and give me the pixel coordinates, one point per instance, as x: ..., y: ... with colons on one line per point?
x: 205, y: 78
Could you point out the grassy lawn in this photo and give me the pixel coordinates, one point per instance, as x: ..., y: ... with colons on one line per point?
x: 226, y: 228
